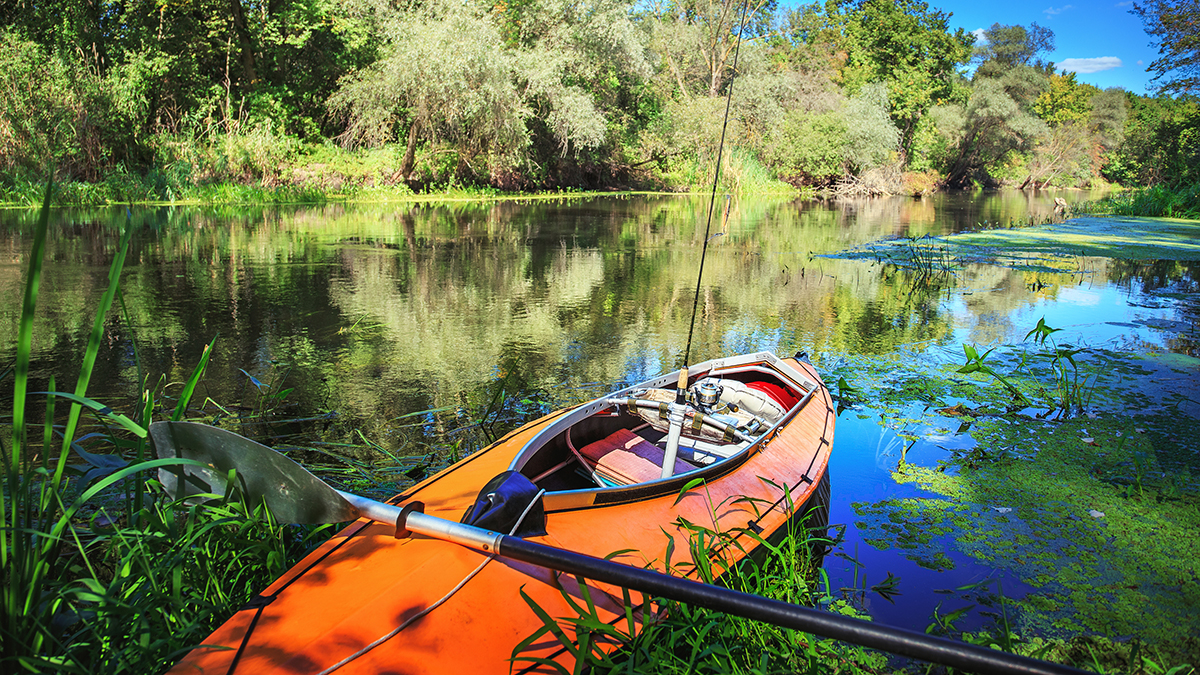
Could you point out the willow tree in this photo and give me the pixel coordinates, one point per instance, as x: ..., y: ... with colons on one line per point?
x: 696, y: 39
x: 480, y: 84
x: 444, y: 75
x: 991, y: 124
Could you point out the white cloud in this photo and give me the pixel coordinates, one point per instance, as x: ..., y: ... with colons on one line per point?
x: 980, y: 38
x: 1092, y: 65
x: 1051, y: 11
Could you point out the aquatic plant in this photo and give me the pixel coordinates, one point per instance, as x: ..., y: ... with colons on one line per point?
x: 977, y: 363
x: 929, y: 257
x: 1179, y: 202
x: 1070, y: 389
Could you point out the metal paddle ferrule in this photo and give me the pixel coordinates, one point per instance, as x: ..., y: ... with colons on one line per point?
x: 418, y: 523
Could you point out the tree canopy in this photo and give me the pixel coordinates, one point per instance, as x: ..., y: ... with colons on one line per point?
x: 528, y: 94
x: 1175, y: 27
x: 1004, y: 47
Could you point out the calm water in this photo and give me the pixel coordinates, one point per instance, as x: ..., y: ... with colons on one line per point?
x: 377, y: 312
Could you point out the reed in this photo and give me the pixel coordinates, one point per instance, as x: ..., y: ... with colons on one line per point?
x: 1180, y: 202
x: 101, y: 572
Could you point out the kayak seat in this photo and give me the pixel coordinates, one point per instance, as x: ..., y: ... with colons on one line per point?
x: 624, y: 458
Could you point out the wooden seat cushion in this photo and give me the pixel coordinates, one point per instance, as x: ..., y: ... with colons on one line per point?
x: 624, y: 458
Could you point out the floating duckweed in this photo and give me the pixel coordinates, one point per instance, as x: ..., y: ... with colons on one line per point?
x: 1023, y: 499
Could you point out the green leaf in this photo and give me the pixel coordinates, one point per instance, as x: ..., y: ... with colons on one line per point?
x: 101, y: 410
x: 549, y: 624
x: 33, y: 279
x: 185, y: 396
x: 687, y: 488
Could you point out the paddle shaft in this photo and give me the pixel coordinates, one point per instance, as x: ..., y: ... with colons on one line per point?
x: 895, y: 640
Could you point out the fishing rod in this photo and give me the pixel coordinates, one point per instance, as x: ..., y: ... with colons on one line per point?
x: 676, y: 412
x: 687, y: 351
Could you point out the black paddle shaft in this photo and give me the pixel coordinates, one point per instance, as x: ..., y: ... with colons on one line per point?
x: 947, y: 652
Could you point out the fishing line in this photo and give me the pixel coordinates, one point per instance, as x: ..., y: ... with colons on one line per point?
x: 687, y: 352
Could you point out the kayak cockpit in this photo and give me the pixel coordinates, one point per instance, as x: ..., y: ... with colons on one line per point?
x: 622, y: 440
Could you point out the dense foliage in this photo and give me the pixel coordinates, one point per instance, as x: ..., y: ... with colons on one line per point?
x: 156, y: 101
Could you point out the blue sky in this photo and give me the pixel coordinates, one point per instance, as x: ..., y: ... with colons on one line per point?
x: 1101, y: 41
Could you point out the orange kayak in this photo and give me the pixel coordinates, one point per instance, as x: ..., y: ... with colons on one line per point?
x: 750, y: 451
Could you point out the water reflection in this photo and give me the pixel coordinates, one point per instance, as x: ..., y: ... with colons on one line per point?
x: 377, y: 311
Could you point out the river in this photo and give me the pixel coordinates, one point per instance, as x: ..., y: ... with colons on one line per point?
x: 425, y: 326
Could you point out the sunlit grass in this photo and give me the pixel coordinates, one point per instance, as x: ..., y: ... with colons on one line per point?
x: 686, y: 639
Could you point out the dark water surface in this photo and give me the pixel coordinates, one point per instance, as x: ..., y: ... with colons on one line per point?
x: 379, y: 311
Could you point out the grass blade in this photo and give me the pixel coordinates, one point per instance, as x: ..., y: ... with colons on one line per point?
x: 185, y: 396
x: 33, y: 280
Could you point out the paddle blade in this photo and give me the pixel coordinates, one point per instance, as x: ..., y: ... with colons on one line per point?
x: 291, y: 493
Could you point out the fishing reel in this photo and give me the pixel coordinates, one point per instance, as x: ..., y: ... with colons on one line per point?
x: 705, y: 396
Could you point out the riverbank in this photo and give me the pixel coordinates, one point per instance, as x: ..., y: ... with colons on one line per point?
x: 126, y: 192
x: 240, y: 171
x: 1181, y: 201
x: 369, y: 180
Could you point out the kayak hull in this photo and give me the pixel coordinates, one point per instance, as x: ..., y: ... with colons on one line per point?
x: 360, y: 602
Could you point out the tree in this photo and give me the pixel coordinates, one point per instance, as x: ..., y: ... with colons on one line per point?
x: 984, y: 131
x: 445, y: 76
x: 813, y: 37
x: 489, y: 96
x: 871, y: 138
x: 1005, y: 47
x: 1161, y: 144
x: 907, y: 46
x: 1110, y: 110
x: 1175, y: 25
x: 1064, y: 101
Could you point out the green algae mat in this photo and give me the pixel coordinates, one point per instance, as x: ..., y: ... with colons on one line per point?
x: 1116, y: 237
x: 1053, y: 247
x: 1092, y: 508
x: 1096, y: 514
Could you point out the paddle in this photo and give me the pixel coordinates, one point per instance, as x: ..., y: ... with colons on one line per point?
x: 295, y: 495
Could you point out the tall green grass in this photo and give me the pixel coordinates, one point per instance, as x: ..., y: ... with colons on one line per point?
x: 1158, y: 201
x: 102, y: 573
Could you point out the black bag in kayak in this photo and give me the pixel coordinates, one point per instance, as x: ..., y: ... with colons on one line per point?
x: 502, y: 501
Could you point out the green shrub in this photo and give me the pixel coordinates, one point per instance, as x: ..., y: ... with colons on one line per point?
x: 809, y: 149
